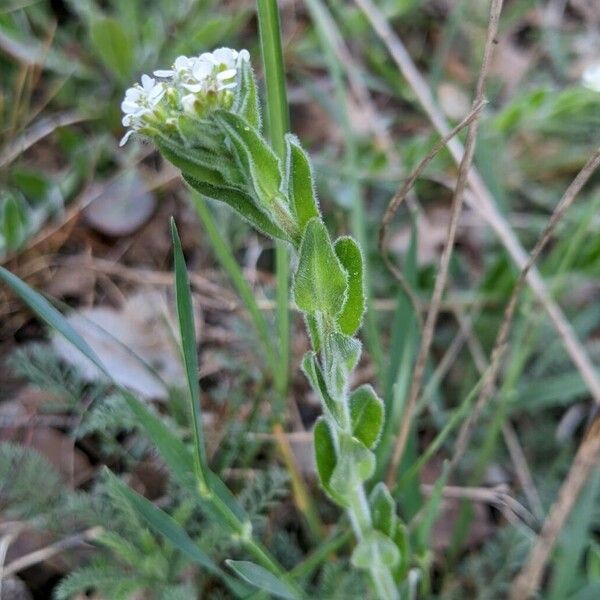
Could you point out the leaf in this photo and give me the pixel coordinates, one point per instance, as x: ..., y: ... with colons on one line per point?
x: 113, y: 46
x: 375, y: 548
x: 341, y: 355
x: 242, y: 203
x: 312, y: 370
x: 187, y: 330
x: 355, y: 464
x: 430, y: 512
x: 246, y: 102
x: 45, y: 311
x: 325, y: 457
x: 351, y: 258
x: 300, y: 182
x: 13, y: 221
x: 319, y: 281
x: 191, y: 162
x: 262, y: 579
x: 162, y: 523
x: 401, y: 539
x: 367, y: 413
x: 383, y: 510
x: 254, y: 155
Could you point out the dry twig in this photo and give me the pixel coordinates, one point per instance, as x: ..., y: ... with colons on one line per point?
x: 500, y: 344
x: 528, y: 581
x: 482, y: 200
x: 440, y: 281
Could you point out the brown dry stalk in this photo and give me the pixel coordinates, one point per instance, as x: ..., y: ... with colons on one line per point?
x: 440, y: 281
x: 528, y: 581
x: 482, y: 200
x: 400, y: 196
x: 500, y: 345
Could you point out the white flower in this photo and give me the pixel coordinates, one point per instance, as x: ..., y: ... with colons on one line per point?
x: 140, y: 100
x: 591, y: 77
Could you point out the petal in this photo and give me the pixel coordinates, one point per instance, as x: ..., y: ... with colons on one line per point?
x: 243, y: 56
x: 182, y: 63
x: 165, y: 73
x: 227, y: 74
x: 129, y: 107
x: 148, y: 83
x: 193, y: 87
x: 202, y: 69
x: 225, y: 56
x: 125, y: 138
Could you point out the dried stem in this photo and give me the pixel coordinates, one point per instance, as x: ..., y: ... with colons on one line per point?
x: 440, y: 281
x: 482, y: 200
x: 401, y: 195
x: 500, y: 344
x: 528, y: 581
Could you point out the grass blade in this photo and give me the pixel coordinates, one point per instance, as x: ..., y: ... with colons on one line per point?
x: 262, y: 579
x: 279, y: 125
x: 187, y: 329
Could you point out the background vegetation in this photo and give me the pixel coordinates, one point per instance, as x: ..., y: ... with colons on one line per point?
x: 87, y: 223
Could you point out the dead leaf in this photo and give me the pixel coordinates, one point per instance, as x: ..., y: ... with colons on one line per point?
x: 138, y: 344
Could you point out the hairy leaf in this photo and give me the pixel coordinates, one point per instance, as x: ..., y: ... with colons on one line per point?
x: 320, y: 281
x: 375, y: 548
x: 325, y: 457
x: 383, y: 510
x: 246, y: 102
x: 355, y: 464
x: 300, y: 182
x: 367, y: 413
x: 350, y: 255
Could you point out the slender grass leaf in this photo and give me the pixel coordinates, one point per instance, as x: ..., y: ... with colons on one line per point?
x: 187, y: 329
x: 45, y: 311
x: 262, y: 579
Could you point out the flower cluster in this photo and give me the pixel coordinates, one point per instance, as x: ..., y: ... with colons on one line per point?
x: 192, y: 85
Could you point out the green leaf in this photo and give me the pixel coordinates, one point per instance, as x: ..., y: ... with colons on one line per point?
x: 312, y: 370
x: 375, y: 548
x: 367, y: 414
x: 431, y: 511
x: 262, y: 579
x: 187, y: 331
x: 325, y: 457
x: 319, y: 281
x: 341, y: 354
x: 45, y: 311
x: 300, y: 182
x: 350, y: 255
x: 113, y: 46
x: 383, y: 510
x: 402, y: 541
x: 162, y: 523
x: 254, y: 155
x: 246, y: 103
x: 240, y: 202
x: 170, y: 447
x: 199, y: 164
x: 355, y: 464
x: 13, y: 221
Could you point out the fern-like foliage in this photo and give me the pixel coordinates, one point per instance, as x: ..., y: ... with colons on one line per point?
x: 41, y: 367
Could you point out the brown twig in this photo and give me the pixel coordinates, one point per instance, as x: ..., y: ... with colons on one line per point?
x: 401, y: 195
x: 528, y: 580
x: 33, y: 558
x: 440, y: 281
x: 500, y: 345
x: 482, y: 200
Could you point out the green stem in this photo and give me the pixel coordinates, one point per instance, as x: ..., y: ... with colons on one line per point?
x: 278, y: 126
